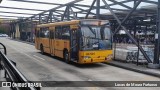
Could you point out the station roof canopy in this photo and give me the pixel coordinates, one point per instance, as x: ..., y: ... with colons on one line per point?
x: 16, y: 9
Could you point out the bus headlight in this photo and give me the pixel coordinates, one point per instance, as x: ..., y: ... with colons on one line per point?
x: 86, y: 57
x: 109, y: 57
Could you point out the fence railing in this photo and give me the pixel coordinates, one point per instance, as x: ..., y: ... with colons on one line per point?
x: 12, y: 74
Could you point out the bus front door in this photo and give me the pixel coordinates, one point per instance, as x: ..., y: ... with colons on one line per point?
x: 74, y: 45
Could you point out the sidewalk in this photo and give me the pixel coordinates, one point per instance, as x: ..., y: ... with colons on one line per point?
x: 133, y: 67
x: 31, y: 43
x: 3, y: 79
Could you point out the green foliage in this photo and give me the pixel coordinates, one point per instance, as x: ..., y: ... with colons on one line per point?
x: 2, y: 30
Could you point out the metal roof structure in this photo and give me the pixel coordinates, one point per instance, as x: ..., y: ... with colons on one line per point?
x: 128, y: 15
x: 57, y: 11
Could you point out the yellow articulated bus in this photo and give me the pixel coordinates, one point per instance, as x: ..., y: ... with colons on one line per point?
x: 81, y: 41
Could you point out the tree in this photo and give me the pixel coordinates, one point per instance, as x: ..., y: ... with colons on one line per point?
x: 2, y: 30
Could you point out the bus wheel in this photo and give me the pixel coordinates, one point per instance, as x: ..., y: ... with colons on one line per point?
x: 42, y: 50
x: 66, y: 56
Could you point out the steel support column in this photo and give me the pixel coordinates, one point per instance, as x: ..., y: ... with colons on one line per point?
x: 32, y: 29
x: 121, y: 4
x: 74, y: 14
x: 124, y: 28
x: 49, y: 19
x: 128, y: 15
x: 135, y: 1
x: 40, y: 19
x: 98, y: 10
x: 90, y: 9
x: 157, y: 37
x: 68, y: 12
x: 135, y: 28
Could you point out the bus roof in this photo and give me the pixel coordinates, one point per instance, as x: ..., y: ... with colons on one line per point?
x: 59, y: 23
x: 67, y: 22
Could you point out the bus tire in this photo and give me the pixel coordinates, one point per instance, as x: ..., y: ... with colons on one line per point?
x: 41, y: 49
x: 66, y: 56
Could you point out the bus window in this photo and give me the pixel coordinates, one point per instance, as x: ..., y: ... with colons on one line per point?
x: 58, y: 32
x: 65, y: 32
x: 44, y: 32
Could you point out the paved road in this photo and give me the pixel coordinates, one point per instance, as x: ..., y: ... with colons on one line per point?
x: 38, y: 67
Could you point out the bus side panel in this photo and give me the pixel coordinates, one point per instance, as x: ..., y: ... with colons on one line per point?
x: 40, y: 42
x: 52, y: 45
x: 59, y: 48
x: 45, y: 42
x: 51, y: 40
x: 37, y: 43
x: 60, y: 45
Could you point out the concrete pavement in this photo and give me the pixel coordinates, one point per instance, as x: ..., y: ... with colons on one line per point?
x: 38, y: 67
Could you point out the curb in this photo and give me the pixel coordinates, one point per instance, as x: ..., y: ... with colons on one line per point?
x: 135, y: 70
x: 22, y: 41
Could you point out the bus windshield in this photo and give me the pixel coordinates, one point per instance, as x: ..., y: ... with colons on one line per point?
x: 96, y: 37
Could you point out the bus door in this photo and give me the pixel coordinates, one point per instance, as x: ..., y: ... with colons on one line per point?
x: 74, y: 45
x: 44, y: 42
x: 51, y: 40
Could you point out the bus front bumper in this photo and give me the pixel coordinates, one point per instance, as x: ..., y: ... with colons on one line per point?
x: 95, y: 56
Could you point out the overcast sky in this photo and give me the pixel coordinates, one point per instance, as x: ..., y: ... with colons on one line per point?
x: 9, y: 3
